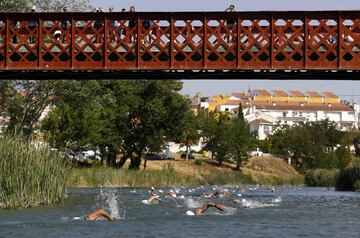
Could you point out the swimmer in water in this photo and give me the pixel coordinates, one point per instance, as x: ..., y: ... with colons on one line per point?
x: 226, y: 193
x: 206, y: 206
x: 171, y: 193
x: 213, y: 195
x: 153, y: 197
x: 99, y: 213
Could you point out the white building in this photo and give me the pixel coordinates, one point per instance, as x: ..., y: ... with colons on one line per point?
x: 264, y: 110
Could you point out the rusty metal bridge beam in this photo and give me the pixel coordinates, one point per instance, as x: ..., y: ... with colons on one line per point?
x: 323, y: 43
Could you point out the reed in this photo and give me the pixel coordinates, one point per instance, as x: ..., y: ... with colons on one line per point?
x: 348, y: 179
x: 30, y: 175
x: 106, y: 176
x: 321, y: 177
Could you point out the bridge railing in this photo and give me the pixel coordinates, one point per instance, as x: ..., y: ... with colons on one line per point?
x: 180, y: 40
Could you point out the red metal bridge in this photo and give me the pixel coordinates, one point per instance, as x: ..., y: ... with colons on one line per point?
x: 252, y: 45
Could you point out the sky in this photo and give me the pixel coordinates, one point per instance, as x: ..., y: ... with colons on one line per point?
x: 346, y: 89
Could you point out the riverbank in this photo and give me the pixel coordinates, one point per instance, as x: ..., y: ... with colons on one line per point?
x: 258, y: 170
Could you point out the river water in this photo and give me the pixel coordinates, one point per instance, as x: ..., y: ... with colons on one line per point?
x: 253, y: 212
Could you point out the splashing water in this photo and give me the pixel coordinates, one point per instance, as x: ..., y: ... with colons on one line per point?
x: 191, y: 203
x: 254, y: 204
x: 229, y: 211
x: 277, y: 200
x: 111, y: 199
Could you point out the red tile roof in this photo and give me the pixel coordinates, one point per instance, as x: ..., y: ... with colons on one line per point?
x: 296, y: 93
x: 299, y: 106
x: 330, y: 95
x: 280, y: 93
x: 261, y: 92
x: 313, y: 94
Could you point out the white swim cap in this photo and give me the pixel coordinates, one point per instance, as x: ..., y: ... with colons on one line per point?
x: 146, y: 202
x: 190, y: 213
x: 76, y: 218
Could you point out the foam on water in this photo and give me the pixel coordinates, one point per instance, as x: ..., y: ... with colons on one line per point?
x: 191, y: 203
x: 247, y: 203
x: 112, y: 203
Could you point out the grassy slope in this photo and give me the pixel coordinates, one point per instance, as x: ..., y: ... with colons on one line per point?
x: 178, y: 172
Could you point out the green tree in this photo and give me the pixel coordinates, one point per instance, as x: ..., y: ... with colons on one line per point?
x: 155, y: 114
x: 190, y: 131
x: 218, y: 136
x: 24, y: 101
x: 242, y: 140
x: 43, y: 5
x: 85, y: 117
x: 128, y: 116
x: 314, y: 145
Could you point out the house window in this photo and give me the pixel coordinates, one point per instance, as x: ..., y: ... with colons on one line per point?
x: 284, y: 114
x: 266, y: 130
x: 226, y: 109
x: 300, y: 114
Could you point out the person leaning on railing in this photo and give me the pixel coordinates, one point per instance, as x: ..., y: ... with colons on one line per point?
x: 32, y: 26
x: 98, y: 25
x: 230, y: 24
x: 112, y: 27
x: 132, y: 26
x: 64, y: 24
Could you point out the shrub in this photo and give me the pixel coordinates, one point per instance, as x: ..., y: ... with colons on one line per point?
x: 198, y: 162
x: 348, y: 179
x: 321, y: 177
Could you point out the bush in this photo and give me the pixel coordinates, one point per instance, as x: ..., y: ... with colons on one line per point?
x: 321, y: 177
x: 348, y: 179
x: 198, y: 162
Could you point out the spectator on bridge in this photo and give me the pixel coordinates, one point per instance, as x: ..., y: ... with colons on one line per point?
x: 132, y: 26
x: 230, y: 24
x: 332, y: 40
x: 122, y: 31
x: 98, y: 26
x: 14, y: 27
x: 64, y: 27
x: 112, y: 26
x: 32, y: 24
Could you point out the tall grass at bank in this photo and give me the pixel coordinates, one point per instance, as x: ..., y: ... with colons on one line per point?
x: 321, y: 177
x: 348, y: 179
x: 106, y: 176
x: 30, y: 176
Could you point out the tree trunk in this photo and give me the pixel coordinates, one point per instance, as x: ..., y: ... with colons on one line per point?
x: 187, y: 153
x: 123, y: 160
x: 220, y: 162
x: 135, y: 161
x: 238, y: 164
x: 112, y: 157
x: 145, y: 164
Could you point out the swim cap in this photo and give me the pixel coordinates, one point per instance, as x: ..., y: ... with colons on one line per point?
x: 146, y: 202
x: 190, y: 213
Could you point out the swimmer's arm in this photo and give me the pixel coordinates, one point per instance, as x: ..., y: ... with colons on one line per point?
x: 220, y: 207
x: 105, y: 215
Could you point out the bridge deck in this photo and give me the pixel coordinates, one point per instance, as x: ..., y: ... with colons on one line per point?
x: 180, y: 41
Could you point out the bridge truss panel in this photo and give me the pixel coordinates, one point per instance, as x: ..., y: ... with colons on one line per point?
x: 180, y: 41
